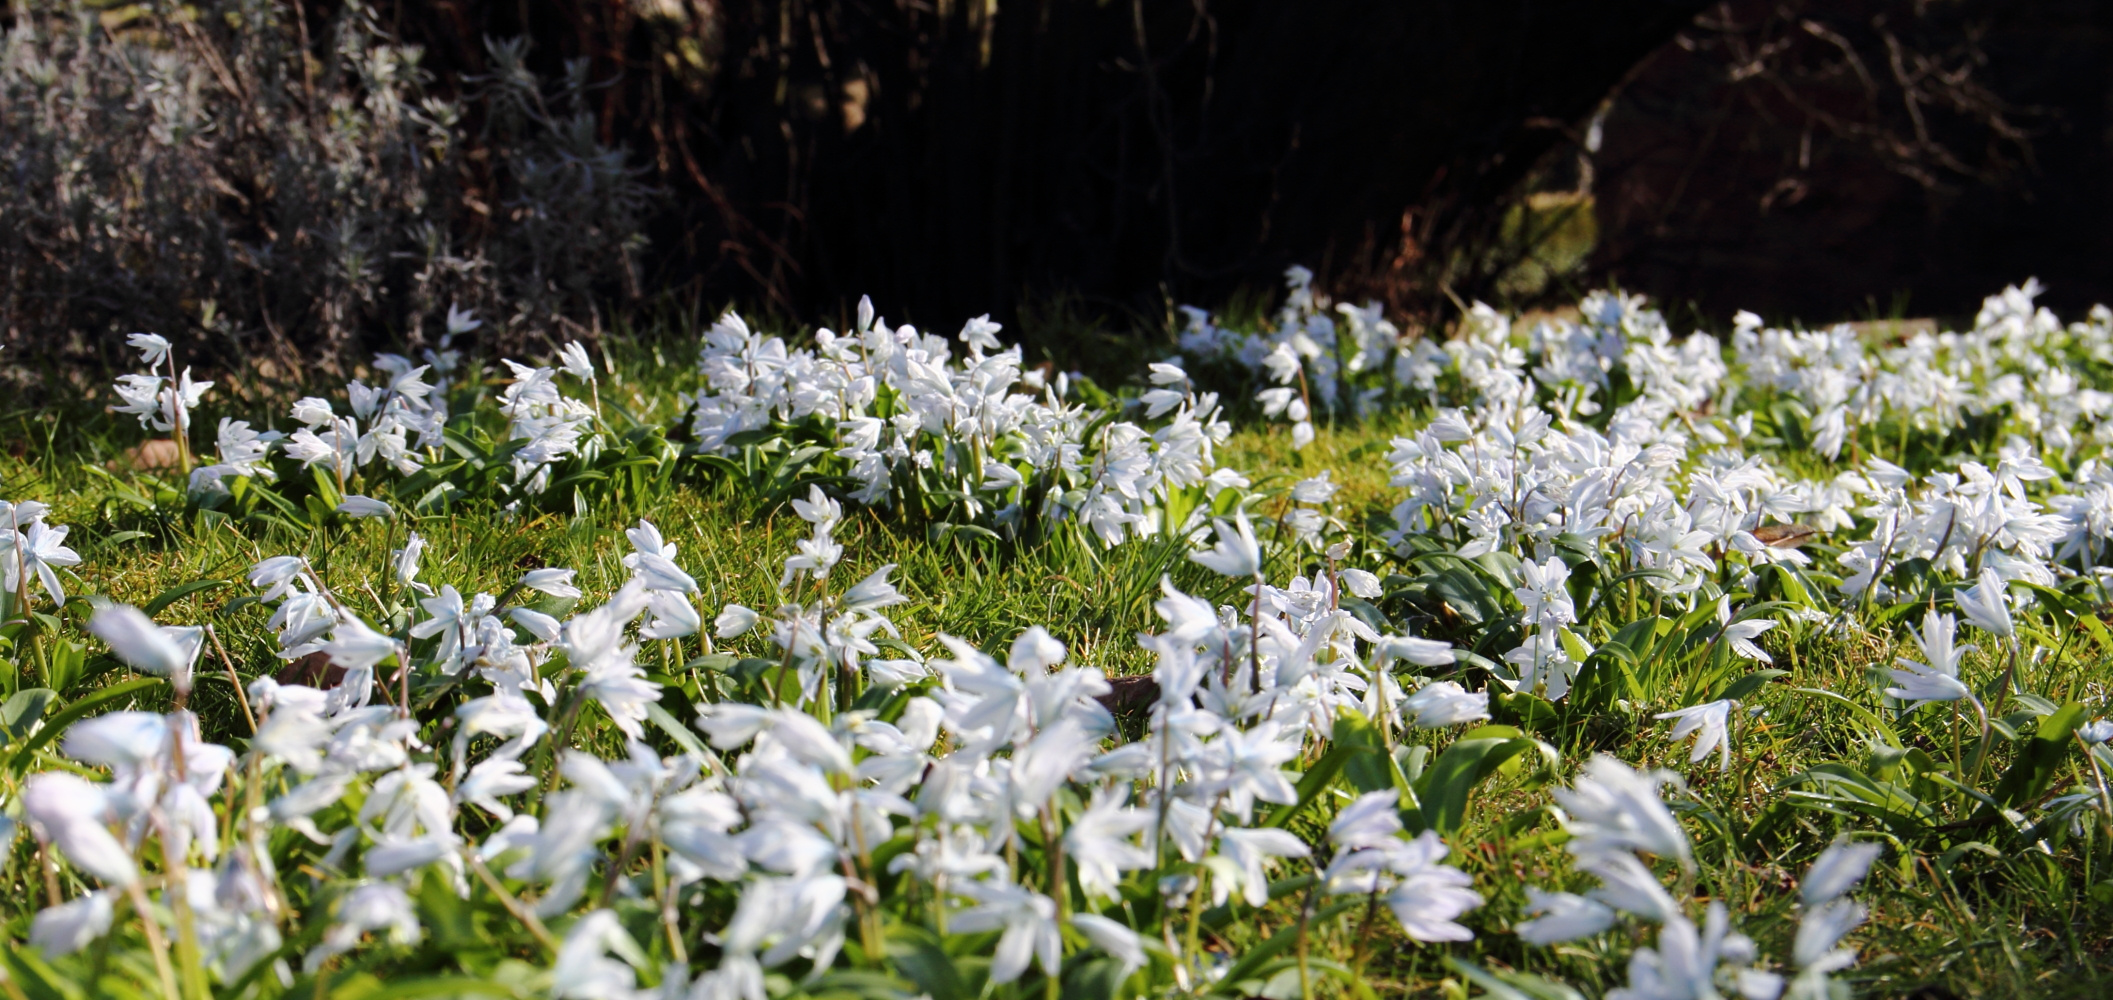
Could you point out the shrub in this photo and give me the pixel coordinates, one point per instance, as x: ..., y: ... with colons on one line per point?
x: 218, y: 173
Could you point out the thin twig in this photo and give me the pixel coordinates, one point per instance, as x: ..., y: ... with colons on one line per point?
x: 512, y: 903
x: 233, y: 678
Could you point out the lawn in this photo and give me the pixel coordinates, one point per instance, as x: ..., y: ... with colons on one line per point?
x: 1441, y: 673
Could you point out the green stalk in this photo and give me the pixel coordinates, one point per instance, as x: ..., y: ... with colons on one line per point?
x: 155, y: 942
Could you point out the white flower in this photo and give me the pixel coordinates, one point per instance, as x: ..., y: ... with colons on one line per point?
x: 573, y: 360
x: 584, y: 970
x: 461, y: 321
x: 1422, y: 652
x: 1614, y: 808
x: 1838, y: 869
x: 1563, y: 917
x: 1361, y: 583
x: 538, y: 624
x: 1317, y: 489
x: 41, y: 549
x: 405, y: 562
x: 1237, y: 554
x: 1627, y: 885
x: 147, y: 647
x: 552, y: 581
x: 1445, y: 703
x: 1938, y: 679
x: 673, y: 616
x: 1821, y: 929
x: 1367, y: 821
x: 1102, y: 842
x: 1985, y: 604
x: 1544, y: 594
x: 1245, y: 852
x: 375, y: 906
x: 355, y: 505
x: 1029, y: 920
x: 1120, y: 942
x: 1430, y: 897
x: 153, y: 348
x: 1708, y: 722
x: 1741, y: 636
x: 819, y: 508
x: 870, y: 594
x: 276, y: 575
x: 68, y: 812
x: 72, y: 925
x: 734, y: 621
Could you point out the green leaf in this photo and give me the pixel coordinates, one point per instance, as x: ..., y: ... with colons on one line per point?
x: 435, y: 986
x: 717, y: 663
x: 1316, y: 780
x: 74, y: 712
x: 1513, y: 985
x: 24, y: 709
x: 2040, y: 759
x: 1861, y: 712
x: 1099, y: 978
x: 1368, y: 766
x: 1250, y: 964
x: 1452, y: 778
x: 177, y: 593
x: 917, y: 954
x: 676, y: 731
x: 1527, y: 710
x: 1744, y: 687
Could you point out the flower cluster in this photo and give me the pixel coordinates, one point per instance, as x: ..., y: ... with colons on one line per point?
x: 972, y: 436
x: 32, y: 550
x: 1617, y: 822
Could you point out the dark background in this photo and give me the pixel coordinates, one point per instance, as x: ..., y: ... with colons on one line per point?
x: 1068, y: 165
x: 1817, y: 160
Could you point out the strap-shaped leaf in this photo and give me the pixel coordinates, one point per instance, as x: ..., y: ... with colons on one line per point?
x: 74, y: 712
x: 1451, y: 779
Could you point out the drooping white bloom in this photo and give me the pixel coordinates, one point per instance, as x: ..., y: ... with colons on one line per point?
x: 1102, y: 844
x: 153, y: 348
x: 1740, y: 636
x: 1369, y: 820
x: 147, y: 647
x: 1120, y: 942
x: 1245, y: 853
x: 1938, y: 678
x: 584, y: 970
x: 1445, y: 703
x: 358, y: 506
x: 549, y: 580
x: 375, y: 906
x: 1986, y: 605
x: 1614, y: 808
x: 1028, y: 919
x: 1709, y: 723
x: 1838, y: 869
x: 1821, y: 929
x: 1563, y: 917
x: 1236, y: 554
x: 72, y: 925
x: 68, y: 812
x: 734, y: 621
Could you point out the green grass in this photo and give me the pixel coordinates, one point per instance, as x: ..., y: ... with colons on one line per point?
x: 1964, y: 911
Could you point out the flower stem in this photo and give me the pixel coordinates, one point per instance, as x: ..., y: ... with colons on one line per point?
x: 155, y: 942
